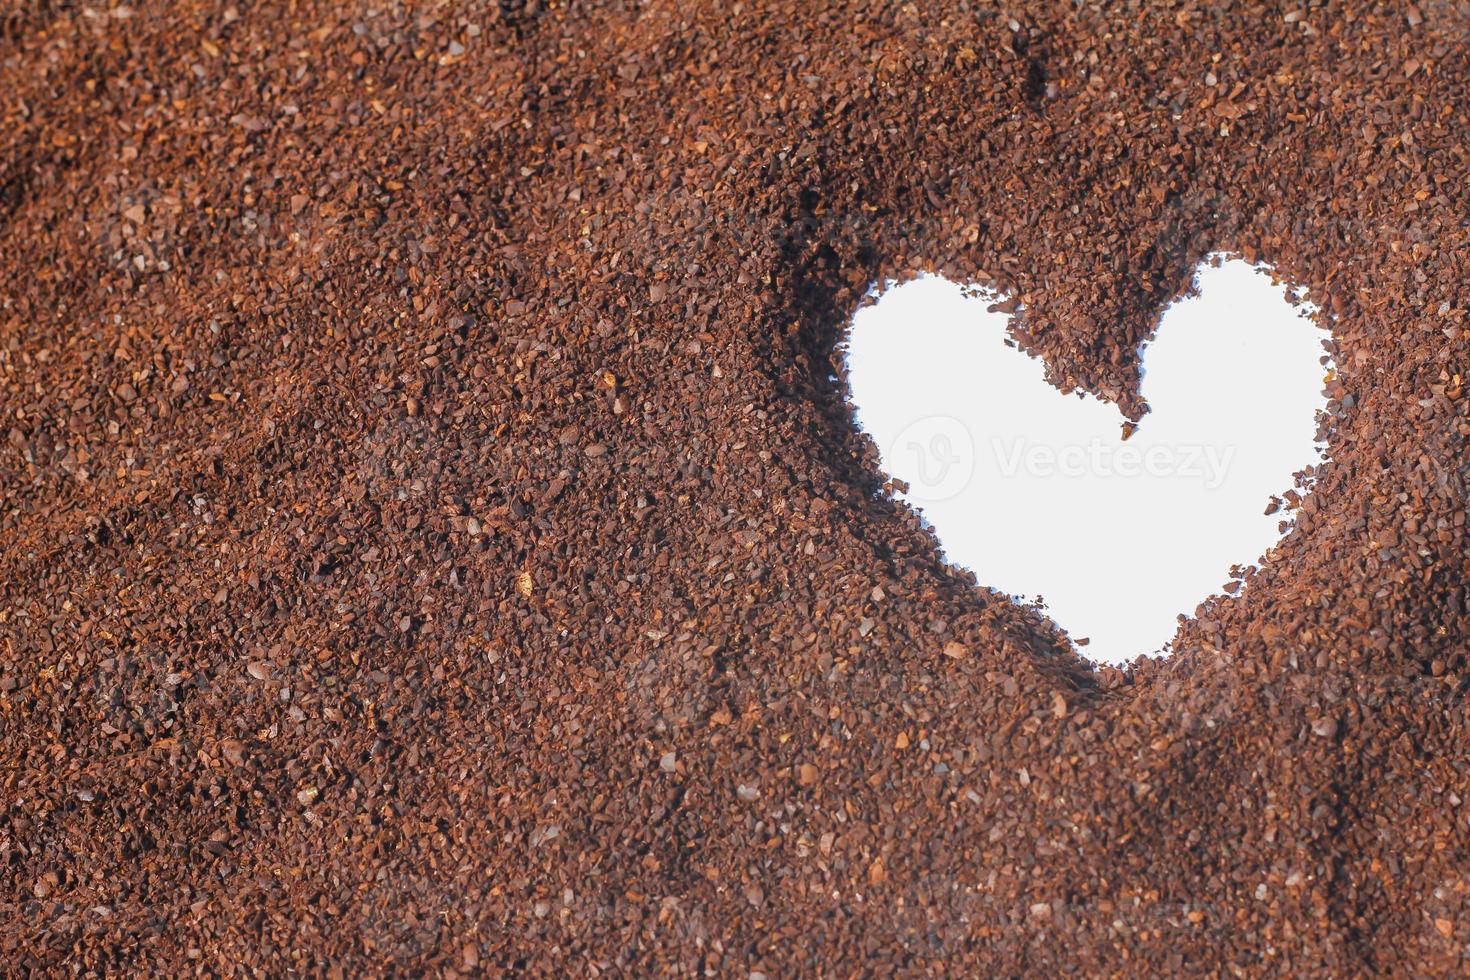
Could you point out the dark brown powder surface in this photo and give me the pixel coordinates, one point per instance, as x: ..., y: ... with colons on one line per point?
x: 432, y: 539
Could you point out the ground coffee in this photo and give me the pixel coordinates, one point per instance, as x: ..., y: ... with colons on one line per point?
x: 435, y: 536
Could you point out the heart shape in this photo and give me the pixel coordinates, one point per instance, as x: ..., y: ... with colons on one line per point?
x: 1042, y: 495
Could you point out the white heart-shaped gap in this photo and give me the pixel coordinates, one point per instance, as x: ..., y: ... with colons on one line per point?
x: 1041, y: 496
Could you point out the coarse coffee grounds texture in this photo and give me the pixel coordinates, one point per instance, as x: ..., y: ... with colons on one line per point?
x: 434, y: 537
